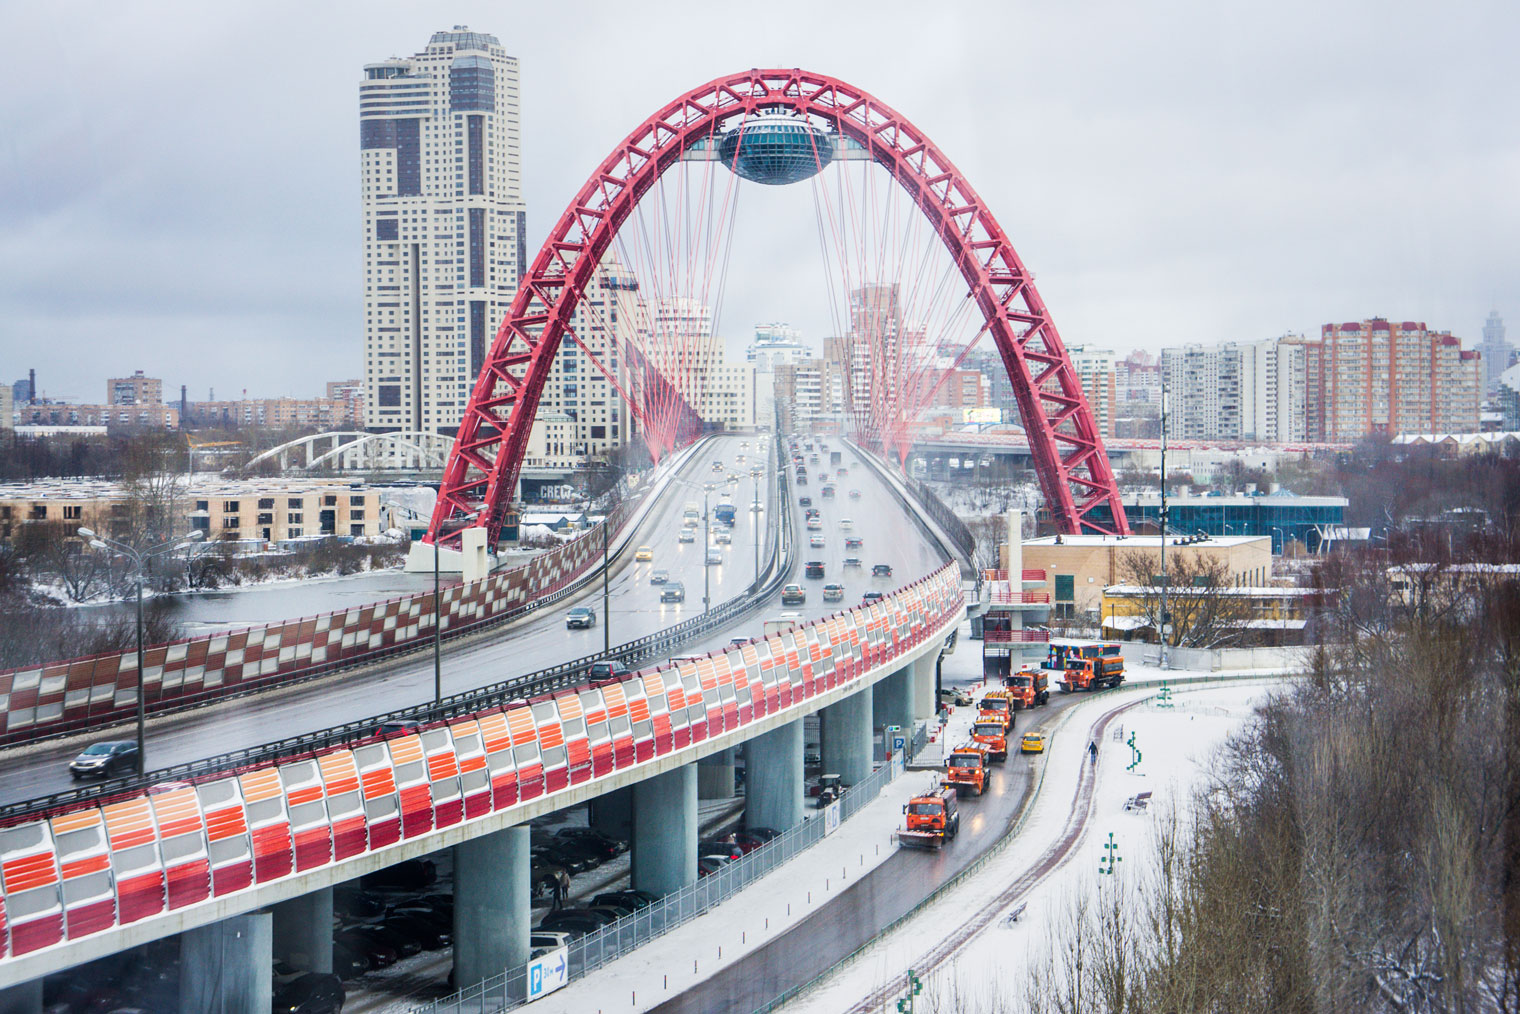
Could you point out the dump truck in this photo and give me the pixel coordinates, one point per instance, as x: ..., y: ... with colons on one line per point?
x: 993, y: 735
x: 1093, y: 666
x: 1028, y: 687
x: 996, y: 705
x: 931, y: 819
x: 967, y: 768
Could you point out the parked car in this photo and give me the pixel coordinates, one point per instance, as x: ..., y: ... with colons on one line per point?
x: 574, y: 922
x: 617, y: 845
x: 574, y: 861
x: 724, y: 849
x: 833, y: 593
x: 349, y: 961
x: 673, y: 591
x: 426, y: 930
x: 710, y: 864
x: 659, y: 577
x: 793, y: 595
x: 596, y: 847
x: 580, y: 618
x: 631, y: 898
x: 310, y: 993
x: 105, y: 760
x: 881, y: 570
x: 543, y: 941
x: 754, y: 837
x: 687, y: 535
x: 956, y: 697
x: 375, y: 948
x: 607, y: 669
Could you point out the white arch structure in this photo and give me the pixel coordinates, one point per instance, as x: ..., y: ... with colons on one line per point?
x: 355, y: 450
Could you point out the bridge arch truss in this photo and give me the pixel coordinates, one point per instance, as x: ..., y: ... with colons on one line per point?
x: 1066, y: 446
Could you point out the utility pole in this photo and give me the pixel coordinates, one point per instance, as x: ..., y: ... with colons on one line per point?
x: 606, y: 610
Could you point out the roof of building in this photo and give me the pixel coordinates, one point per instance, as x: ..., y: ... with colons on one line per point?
x: 1248, y: 591
x: 1282, y: 498
x: 1143, y: 541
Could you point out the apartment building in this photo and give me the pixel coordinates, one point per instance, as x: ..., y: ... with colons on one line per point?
x: 440, y: 165
x: 161, y: 417
x: 269, y: 512
x: 1096, y: 369
x: 135, y: 390
x: 1388, y: 377
x: 341, y: 413
x: 1237, y: 391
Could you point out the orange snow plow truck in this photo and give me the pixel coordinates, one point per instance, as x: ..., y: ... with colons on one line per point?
x: 967, y: 770
x: 1086, y: 666
x: 1028, y: 687
x: 991, y: 733
x: 932, y: 819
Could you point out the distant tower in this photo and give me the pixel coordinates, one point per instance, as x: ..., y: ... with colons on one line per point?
x: 1496, y: 351
x: 440, y: 172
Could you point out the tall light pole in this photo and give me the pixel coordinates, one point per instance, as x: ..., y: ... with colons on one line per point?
x: 1279, y: 531
x: 1163, y: 517
x: 451, y: 524
x: 606, y: 608
x: 754, y: 519
x: 140, y: 558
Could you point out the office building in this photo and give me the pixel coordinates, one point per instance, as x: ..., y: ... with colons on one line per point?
x: 443, y: 218
x: 1496, y: 351
x: 1387, y: 377
x: 775, y: 344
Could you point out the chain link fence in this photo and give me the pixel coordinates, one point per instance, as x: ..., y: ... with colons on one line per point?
x: 592, y: 951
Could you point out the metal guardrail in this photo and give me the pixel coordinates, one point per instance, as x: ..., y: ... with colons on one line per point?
x: 592, y: 951
x: 943, y: 516
x: 567, y: 674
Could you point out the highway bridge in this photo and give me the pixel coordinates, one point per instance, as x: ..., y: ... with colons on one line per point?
x: 87, y: 877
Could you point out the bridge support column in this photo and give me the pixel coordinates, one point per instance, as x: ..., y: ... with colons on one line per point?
x: 612, y: 813
x: 492, y: 910
x: 925, y: 690
x: 773, y: 778
x: 22, y: 998
x: 846, y: 732
x: 715, y: 775
x: 665, y: 831
x: 224, y: 967
x: 893, y: 701
x: 303, y: 936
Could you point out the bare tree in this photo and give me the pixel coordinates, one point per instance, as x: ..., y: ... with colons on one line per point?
x: 1204, y: 608
x: 50, y: 551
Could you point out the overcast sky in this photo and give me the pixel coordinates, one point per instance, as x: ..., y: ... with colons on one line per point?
x: 180, y: 181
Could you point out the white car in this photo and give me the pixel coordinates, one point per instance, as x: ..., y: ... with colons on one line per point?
x: 816, y: 541
x: 714, y: 558
x: 846, y: 523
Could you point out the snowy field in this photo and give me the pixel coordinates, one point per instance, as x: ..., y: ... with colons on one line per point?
x: 1176, y: 745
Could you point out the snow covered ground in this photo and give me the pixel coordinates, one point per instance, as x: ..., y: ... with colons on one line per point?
x: 1176, y: 748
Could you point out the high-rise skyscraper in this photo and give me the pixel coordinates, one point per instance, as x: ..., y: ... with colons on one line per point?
x: 441, y: 183
x: 1496, y: 351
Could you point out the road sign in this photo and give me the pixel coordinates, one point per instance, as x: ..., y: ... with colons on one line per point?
x: 831, y: 818
x: 548, y: 972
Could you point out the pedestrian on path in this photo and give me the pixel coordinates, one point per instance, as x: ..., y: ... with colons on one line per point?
x: 561, y: 888
x: 1092, y: 752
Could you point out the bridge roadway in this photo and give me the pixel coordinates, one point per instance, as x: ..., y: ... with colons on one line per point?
x: 889, y: 535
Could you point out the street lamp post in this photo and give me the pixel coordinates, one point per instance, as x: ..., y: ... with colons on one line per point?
x: 606, y: 608
x: 452, y: 523
x: 140, y: 558
x: 1284, y: 541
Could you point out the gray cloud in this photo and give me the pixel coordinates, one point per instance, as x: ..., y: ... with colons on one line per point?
x: 181, y: 188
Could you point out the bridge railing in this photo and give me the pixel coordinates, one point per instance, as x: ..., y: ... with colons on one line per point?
x: 224, y: 835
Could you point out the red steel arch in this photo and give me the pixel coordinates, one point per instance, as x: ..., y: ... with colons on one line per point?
x: 1063, y: 437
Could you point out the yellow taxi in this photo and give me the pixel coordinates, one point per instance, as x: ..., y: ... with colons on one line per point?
x: 1033, y: 742
x: 643, y: 553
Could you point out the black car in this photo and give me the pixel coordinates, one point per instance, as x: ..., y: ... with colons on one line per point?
x: 407, y: 875
x: 608, y: 669
x: 804, y: 501
x: 628, y: 899
x: 869, y: 597
x: 397, y: 727
x: 852, y: 561
x: 312, y: 993
x: 853, y: 542
x: 813, y: 568
x: 575, y: 921
x: 557, y: 856
x: 349, y: 961
x: 369, y: 945
x: 429, y: 931
x: 581, y: 848
x: 614, y: 846
x: 105, y: 760
x: 673, y: 591
x: 881, y: 570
